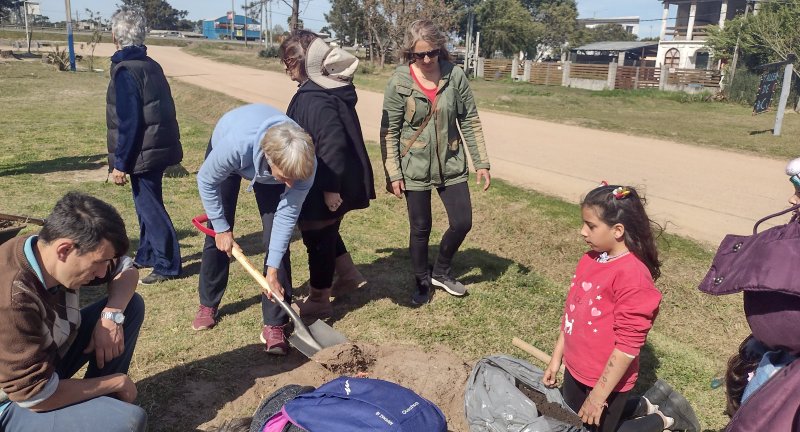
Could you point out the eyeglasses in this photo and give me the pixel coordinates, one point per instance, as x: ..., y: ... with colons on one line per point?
x: 429, y: 54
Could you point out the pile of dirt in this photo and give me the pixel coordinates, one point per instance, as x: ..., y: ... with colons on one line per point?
x: 550, y: 409
x: 437, y: 375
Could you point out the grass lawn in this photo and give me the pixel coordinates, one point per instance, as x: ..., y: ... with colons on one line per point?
x: 668, y: 115
x: 79, y: 37
x: 518, y: 258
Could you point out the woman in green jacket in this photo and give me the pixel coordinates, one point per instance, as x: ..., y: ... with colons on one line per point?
x: 426, y: 101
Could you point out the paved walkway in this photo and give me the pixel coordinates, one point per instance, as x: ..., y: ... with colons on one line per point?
x: 699, y: 192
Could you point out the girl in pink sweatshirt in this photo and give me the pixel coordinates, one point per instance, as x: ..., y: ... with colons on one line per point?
x: 610, y: 308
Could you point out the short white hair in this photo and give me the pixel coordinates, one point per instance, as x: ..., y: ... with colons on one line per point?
x: 128, y: 27
x: 291, y: 149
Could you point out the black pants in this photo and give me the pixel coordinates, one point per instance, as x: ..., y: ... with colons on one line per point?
x: 623, y: 414
x: 323, y: 246
x: 457, y: 203
x: 215, y: 264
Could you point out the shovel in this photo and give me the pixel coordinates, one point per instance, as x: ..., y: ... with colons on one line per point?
x: 535, y: 352
x: 23, y: 219
x: 308, y: 340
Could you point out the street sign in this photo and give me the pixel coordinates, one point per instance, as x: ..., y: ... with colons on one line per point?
x: 766, y: 89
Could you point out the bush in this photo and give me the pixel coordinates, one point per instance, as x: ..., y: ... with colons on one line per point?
x: 270, y: 52
x: 366, y: 67
x: 743, y: 88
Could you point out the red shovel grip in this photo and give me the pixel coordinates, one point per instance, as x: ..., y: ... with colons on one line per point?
x: 200, y: 221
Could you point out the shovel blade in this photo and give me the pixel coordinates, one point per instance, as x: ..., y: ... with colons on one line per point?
x: 315, y: 337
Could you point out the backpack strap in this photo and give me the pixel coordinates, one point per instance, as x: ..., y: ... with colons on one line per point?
x: 782, y: 212
x: 416, y: 135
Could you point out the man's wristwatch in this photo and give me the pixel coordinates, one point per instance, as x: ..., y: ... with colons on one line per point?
x: 116, y: 317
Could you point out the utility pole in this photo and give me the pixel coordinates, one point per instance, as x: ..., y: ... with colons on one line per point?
x: 295, y: 15
x: 785, y: 88
x: 245, y: 23
x: 27, y: 33
x: 232, y: 18
x: 70, y: 40
x: 263, y: 25
x: 468, y: 44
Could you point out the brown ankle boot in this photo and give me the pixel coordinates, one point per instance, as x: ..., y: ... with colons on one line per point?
x: 348, y: 278
x: 317, y: 305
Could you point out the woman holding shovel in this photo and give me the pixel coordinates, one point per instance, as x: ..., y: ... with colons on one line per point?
x: 261, y: 144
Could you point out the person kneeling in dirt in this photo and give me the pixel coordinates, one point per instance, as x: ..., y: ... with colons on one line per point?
x: 45, y: 338
x: 259, y: 143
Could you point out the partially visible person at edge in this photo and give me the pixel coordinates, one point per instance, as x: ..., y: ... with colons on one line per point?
x: 325, y: 106
x: 610, y: 308
x: 766, y: 369
x: 143, y: 140
x: 45, y: 338
x: 425, y: 102
x: 258, y: 143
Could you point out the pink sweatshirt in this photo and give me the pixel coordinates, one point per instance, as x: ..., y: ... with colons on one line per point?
x: 609, y: 305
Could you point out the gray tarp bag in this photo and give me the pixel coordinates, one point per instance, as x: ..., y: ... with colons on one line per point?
x: 493, y: 401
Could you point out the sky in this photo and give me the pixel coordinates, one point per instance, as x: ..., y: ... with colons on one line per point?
x: 312, y: 11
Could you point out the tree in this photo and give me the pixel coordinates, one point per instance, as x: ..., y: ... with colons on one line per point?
x: 560, y: 20
x: 159, y: 14
x: 766, y: 37
x: 97, y: 33
x: 769, y: 36
x: 387, y: 21
x: 347, y: 20
x: 6, y: 8
x: 297, y: 25
x: 507, y: 26
x: 601, y: 33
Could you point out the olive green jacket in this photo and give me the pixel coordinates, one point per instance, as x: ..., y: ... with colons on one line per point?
x: 437, y: 157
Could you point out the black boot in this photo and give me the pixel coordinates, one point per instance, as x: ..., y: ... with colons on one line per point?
x: 658, y: 393
x: 673, y: 404
x: 422, y: 293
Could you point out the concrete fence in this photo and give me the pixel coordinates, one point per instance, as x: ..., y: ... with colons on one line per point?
x: 599, y: 77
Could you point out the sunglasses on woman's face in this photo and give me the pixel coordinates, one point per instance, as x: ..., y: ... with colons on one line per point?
x: 429, y: 54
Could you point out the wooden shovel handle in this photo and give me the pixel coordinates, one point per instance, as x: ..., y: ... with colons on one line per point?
x: 24, y: 219
x: 239, y: 255
x: 536, y: 352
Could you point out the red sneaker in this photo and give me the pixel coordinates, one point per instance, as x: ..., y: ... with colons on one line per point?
x: 274, y: 340
x: 205, y: 318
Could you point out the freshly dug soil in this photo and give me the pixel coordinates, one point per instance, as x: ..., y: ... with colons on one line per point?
x: 437, y: 375
x: 549, y: 409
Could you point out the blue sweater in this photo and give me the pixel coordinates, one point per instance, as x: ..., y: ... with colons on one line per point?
x: 236, y: 149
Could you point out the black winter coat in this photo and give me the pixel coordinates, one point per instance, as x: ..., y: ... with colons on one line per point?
x: 329, y: 116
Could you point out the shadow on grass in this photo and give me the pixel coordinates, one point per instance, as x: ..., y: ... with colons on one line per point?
x: 188, y: 395
x: 391, y: 276
x: 648, y: 365
x: 69, y: 163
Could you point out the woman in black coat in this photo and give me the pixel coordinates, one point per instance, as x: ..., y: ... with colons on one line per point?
x: 324, y: 106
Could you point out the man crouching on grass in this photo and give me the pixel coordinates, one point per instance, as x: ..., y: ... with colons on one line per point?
x: 45, y: 338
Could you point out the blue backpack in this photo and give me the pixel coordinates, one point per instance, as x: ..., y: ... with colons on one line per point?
x: 363, y: 404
